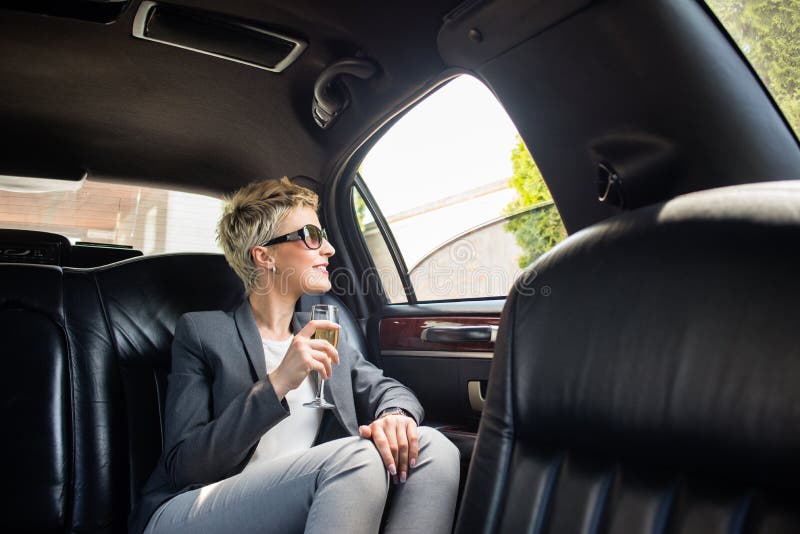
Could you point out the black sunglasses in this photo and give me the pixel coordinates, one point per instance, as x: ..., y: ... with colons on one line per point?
x: 311, y: 235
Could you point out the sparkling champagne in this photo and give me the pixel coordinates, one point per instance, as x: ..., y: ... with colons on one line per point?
x: 329, y: 334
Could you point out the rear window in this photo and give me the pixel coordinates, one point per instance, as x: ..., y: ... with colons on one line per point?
x: 148, y: 219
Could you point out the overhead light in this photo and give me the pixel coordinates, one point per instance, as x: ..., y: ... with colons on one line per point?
x: 35, y: 184
x: 216, y: 35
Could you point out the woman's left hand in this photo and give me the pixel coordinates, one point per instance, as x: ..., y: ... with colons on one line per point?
x: 395, y: 436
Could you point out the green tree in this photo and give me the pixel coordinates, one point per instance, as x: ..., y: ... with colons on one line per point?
x: 538, y: 227
x: 768, y: 33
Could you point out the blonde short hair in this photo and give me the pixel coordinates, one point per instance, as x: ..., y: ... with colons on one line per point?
x: 251, y: 215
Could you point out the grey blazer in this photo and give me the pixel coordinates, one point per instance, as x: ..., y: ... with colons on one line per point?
x: 220, y: 402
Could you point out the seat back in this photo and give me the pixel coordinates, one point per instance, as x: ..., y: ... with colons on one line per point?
x: 142, y: 301
x: 37, y: 453
x: 646, y: 376
x: 98, y: 479
x: 87, y: 355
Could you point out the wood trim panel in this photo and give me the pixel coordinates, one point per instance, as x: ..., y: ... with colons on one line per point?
x: 403, y: 333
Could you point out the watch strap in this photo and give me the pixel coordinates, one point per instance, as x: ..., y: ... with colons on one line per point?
x: 393, y: 410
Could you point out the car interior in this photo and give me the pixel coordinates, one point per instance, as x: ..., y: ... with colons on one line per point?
x: 641, y: 376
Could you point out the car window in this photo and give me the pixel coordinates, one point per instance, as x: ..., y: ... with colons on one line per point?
x: 464, y: 200
x: 767, y: 33
x: 148, y: 219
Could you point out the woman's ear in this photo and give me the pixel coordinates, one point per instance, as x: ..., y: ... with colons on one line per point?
x: 261, y: 257
x: 265, y: 259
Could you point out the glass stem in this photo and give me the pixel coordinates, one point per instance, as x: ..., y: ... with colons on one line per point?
x: 320, y: 385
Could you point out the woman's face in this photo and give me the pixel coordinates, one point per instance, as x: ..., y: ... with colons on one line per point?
x: 300, y: 269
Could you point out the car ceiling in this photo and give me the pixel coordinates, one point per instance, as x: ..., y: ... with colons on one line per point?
x: 652, y: 90
x: 78, y: 94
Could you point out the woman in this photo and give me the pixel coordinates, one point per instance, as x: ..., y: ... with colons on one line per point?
x: 241, y: 453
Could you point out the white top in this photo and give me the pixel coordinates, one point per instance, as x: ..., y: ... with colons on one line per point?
x: 298, y: 430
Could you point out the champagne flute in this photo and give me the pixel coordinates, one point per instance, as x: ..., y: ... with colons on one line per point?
x: 330, y: 313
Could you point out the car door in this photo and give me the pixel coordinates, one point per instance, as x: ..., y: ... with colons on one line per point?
x: 443, y: 212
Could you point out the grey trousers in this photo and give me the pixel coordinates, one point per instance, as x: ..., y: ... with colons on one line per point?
x: 338, y: 486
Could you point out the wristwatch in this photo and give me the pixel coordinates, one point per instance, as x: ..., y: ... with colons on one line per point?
x: 395, y: 410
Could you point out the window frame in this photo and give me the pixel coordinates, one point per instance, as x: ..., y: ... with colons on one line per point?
x: 388, y: 238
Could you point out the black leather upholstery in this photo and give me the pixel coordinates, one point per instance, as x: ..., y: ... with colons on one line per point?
x: 36, y: 445
x: 143, y: 301
x: 86, y: 355
x: 30, y: 246
x: 652, y: 381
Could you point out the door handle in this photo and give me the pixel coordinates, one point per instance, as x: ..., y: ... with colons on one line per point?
x: 459, y: 334
x: 476, y: 397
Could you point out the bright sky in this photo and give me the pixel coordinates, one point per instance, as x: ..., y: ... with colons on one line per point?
x: 458, y: 138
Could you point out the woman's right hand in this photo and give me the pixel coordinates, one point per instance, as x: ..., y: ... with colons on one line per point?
x: 304, y: 355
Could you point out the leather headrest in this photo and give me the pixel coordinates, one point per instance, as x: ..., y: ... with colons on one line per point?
x: 33, y: 287
x: 670, y: 334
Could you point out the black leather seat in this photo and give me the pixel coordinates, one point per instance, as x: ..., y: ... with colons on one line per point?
x: 647, y: 376
x: 86, y: 354
x: 36, y: 450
